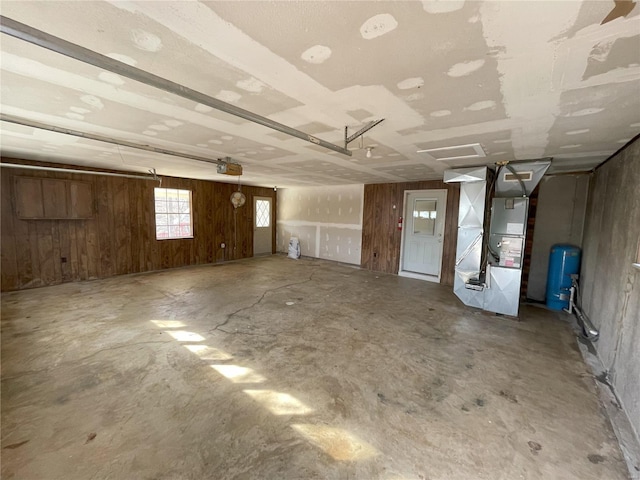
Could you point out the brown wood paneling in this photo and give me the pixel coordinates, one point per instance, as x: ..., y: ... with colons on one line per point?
x: 54, y: 197
x: 80, y: 200
x: 119, y: 238
x: 8, y: 237
x: 28, y: 197
x: 380, y: 236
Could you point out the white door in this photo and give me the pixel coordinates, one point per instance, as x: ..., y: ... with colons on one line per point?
x: 262, y: 226
x: 423, y: 232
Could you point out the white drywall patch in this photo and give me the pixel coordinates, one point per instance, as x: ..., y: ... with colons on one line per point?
x: 414, y: 96
x: 483, y: 105
x: 317, y: 54
x: 440, y: 113
x: 150, y: 133
x: 112, y: 78
x: 215, y: 142
x: 228, y: 96
x: 203, y: 108
x: 585, y: 111
x: 122, y: 58
x: 601, y: 51
x: 415, y: 82
x: 577, y: 132
x: 79, y: 110
x: 252, y: 85
x: 161, y: 128
x: 378, y: 25
x: 571, y: 146
x: 442, y: 6
x: 92, y: 101
x: 173, y: 123
x: 465, y: 68
x: 74, y: 116
x: 145, y: 40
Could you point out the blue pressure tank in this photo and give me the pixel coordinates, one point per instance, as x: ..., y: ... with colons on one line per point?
x: 564, y: 261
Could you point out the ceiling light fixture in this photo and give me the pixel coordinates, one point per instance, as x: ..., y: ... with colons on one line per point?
x: 369, y: 152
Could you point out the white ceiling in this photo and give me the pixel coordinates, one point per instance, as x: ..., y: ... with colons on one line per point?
x: 523, y: 79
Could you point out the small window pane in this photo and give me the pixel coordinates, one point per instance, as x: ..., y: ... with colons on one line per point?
x: 161, y: 207
x: 173, y: 213
x: 263, y: 217
x: 183, y: 207
x: 173, y: 205
x: 162, y: 231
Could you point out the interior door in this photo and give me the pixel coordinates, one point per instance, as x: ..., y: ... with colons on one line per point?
x: 262, y: 226
x: 423, y: 232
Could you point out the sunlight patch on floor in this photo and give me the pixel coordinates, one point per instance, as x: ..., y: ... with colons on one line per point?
x: 336, y: 442
x: 184, y: 336
x: 205, y: 352
x: 238, y: 374
x: 279, y: 403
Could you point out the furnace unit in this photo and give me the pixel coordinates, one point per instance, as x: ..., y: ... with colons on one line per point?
x: 489, y: 267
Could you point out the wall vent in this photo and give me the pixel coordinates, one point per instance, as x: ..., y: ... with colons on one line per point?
x: 524, y: 176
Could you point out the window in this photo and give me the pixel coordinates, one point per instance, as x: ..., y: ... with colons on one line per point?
x: 173, y: 213
x: 262, y: 213
x: 424, y: 216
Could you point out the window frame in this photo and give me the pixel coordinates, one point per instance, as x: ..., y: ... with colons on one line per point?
x: 168, y: 213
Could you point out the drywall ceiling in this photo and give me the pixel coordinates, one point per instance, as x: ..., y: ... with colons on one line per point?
x: 519, y: 80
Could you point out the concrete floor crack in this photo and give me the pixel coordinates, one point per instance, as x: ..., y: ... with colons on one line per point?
x: 257, y: 302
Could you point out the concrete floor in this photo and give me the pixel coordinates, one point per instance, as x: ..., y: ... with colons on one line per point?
x: 273, y: 368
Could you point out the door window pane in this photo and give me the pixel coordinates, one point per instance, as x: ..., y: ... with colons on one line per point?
x: 263, y: 216
x: 424, y: 217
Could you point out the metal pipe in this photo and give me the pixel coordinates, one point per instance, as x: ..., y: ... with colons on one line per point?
x: 71, y: 170
x: 29, y: 34
x: 92, y: 136
x: 589, y: 329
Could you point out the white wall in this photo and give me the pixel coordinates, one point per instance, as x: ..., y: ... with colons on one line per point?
x: 327, y: 220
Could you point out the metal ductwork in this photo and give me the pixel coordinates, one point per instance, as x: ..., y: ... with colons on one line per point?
x: 489, y: 267
x: 471, y: 214
x: 519, y: 179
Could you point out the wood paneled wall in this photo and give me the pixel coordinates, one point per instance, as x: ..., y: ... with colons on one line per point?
x: 120, y: 238
x: 380, y: 234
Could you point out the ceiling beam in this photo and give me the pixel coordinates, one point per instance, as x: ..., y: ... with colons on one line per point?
x: 34, y: 36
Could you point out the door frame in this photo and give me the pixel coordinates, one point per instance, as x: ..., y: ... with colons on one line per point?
x: 405, y: 206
